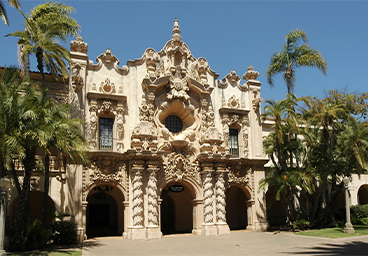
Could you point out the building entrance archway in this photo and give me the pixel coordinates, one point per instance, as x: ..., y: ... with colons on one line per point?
x: 363, y: 194
x: 104, y: 215
x: 176, y: 209
x: 236, y: 208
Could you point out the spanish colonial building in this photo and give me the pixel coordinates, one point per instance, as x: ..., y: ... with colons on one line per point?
x: 173, y: 148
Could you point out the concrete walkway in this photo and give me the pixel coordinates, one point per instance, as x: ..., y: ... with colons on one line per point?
x: 237, y: 243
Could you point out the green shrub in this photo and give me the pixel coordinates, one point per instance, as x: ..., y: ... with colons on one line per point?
x: 358, y: 214
x: 38, y: 235
x: 64, y: 232
x: 301, y: 224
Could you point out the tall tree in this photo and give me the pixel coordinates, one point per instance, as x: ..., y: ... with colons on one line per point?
x: 323, y: 123
x: 294, y: 55
x: 45, y: 26
x: 21, y: 116
x: 63, y: 134
x: 283, y: 147
x: 3, y: 15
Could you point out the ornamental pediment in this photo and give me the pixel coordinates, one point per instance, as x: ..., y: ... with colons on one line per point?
x: 108, y: 60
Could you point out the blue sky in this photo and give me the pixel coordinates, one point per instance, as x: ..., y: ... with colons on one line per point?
x: 229, y: 34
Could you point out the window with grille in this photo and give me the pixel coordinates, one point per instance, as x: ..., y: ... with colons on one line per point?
x: 233, y: 142
x: 174, y: 124
x: 106, y: 125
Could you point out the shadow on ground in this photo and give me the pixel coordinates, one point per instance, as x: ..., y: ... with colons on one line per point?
x: 352, y: 248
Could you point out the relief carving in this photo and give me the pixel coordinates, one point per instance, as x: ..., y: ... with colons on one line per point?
x: 77, y: 79
x: 107, y: 87
x: 178, y: 166
x: 256, y: 101
x: 178, y: 87
x: 240, y: 175
x: 107, y: 169
x: 144, y: 135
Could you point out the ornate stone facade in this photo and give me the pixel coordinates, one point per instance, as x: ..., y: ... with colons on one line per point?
x: 160, y: 147
x: 170, y: 132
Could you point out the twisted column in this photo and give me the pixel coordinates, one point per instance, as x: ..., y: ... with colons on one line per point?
x: 207, y: 192
x: 152, y: 194
x: 137, y: 193
x: 220, y: 195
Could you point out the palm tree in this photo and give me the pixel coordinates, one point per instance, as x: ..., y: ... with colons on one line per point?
x: 63, y: 134
x: 3, y: 15
x: 19, y: 122
x: 283, y: 146
x: 353, y: 145
x: 292, y: 56
x: 322, y: 126
x: 44, y: 27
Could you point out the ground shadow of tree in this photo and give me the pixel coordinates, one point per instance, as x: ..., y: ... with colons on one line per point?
x: 351, y: 248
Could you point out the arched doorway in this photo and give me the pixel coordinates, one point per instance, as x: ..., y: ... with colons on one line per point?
x: 176, y: 209
x: 363, y: 195
x: 36, y: 203
x: 104, y: 216
x: 236, y: 208
x: 276, y: 214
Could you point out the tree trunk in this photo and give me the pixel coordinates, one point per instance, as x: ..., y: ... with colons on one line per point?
x: 23, y: 212
x: 39, y: 56
x: 45, y: 204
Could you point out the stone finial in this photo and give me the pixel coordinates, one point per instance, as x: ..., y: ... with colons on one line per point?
x: 78, y: 45
x: 250, y: 74
x: 176, y: 31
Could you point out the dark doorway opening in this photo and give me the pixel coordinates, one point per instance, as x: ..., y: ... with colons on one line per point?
x: 102, y: 215
x: 236, y: 208
x: 176, y: 210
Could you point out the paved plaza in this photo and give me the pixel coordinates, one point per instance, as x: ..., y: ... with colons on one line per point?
x: 237, y: 243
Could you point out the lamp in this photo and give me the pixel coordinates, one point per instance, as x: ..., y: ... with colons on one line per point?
x: 346, y: 180
x: 5, y: 183
x: 348, y: 226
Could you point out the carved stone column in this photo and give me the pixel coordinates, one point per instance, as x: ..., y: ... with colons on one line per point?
x: 153, y: 230
x: 222, y: 227
x: 208, y: 227
x: 137, y: 230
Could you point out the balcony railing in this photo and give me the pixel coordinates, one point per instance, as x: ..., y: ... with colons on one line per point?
x: 106, y: 142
